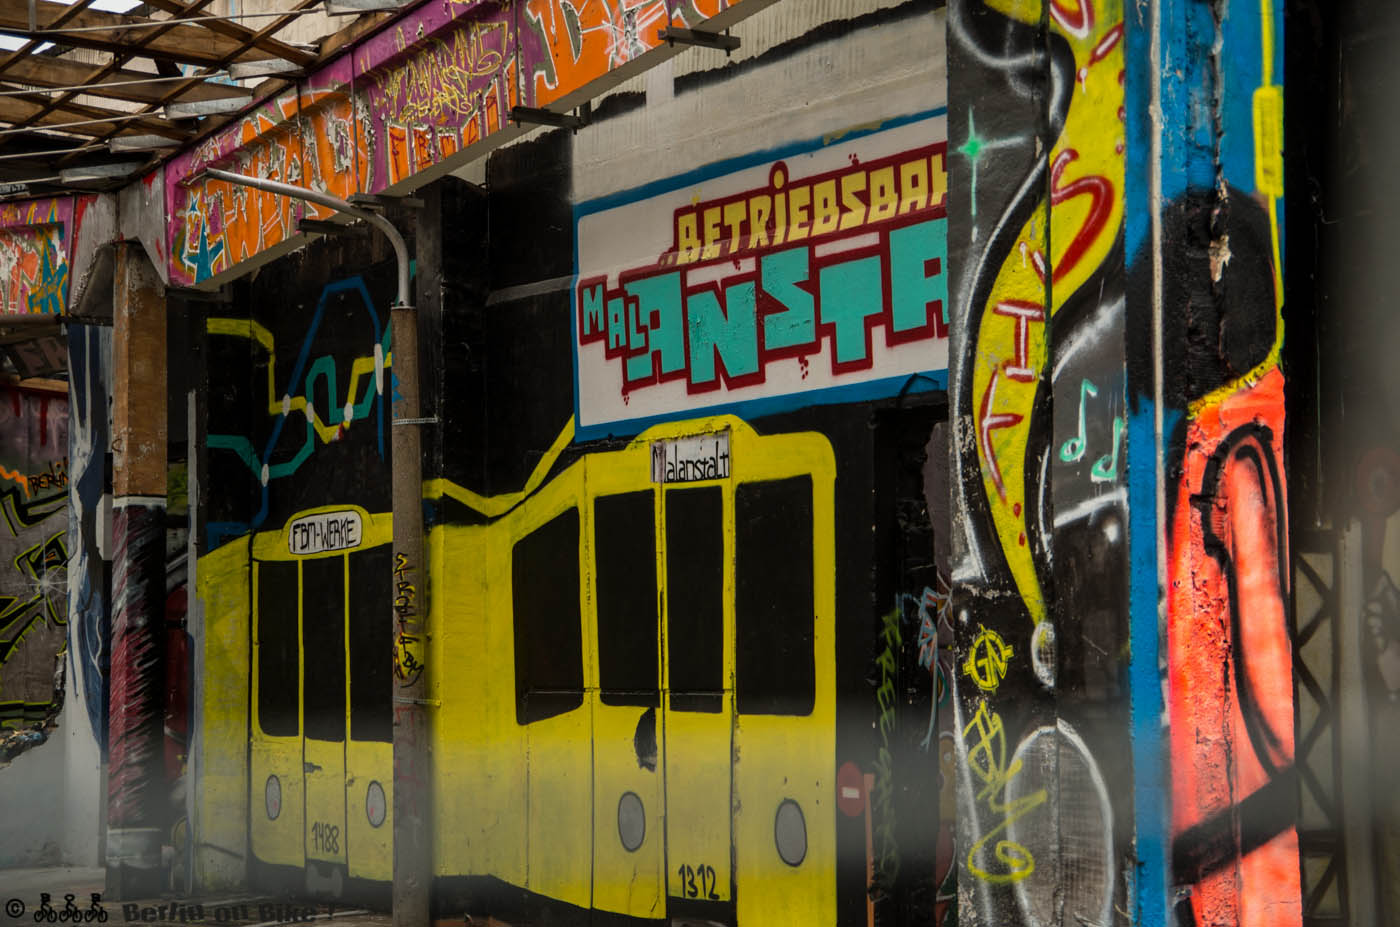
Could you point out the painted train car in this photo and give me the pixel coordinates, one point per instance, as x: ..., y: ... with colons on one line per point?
x: 660, y: 710
x: 633, y: 713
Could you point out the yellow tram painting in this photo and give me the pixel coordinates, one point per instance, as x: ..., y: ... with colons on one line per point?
x: 320, y: 729
x: 631, y: 680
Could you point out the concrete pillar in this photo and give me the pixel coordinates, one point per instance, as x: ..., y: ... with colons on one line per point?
x: 135, y: 790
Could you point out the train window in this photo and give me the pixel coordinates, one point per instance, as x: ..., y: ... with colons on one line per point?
x: 774, y: 609
x: 548, y: 639
x: 279, y: 657
x: 695, y: 598
x: 371, y: 637
x: 323, y: 642
x: 624, y: 534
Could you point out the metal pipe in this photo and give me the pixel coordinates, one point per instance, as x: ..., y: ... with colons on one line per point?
x: 51, y: 151
x: 336, y: 203
x: 115, y: 117
x: 154, y: 23
x: 99, y: 84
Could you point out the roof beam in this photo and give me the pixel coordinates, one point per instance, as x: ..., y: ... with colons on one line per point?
x: 187, y: 42
x: 215, y: 123
x: 23, y: 109
x: 29, y: 47
x: 272, y: 46
x: 118, y: 59
x: 47, y: 71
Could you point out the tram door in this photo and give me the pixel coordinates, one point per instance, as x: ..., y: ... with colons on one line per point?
x: 552, y: 683
x: 320, y: 732
x: 628, y: 798
x: 275, y: 735
x: 298, y: 731
x: 662, y: 711
x: 323, y: 624
x: 698, y: 703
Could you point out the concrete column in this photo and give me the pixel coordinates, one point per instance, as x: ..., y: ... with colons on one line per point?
x: 135, y: 789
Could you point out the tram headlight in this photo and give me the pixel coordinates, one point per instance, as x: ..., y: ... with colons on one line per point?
x: 272, y: 797
x: 790, y: 832
x: 376, y: 804
x: 631, y: 821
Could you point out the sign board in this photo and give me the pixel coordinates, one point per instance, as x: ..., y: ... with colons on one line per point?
x: 690, y: 459
x: 816, y: 273
x: 325, y: 532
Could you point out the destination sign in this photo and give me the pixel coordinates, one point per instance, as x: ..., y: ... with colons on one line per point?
x: 325, y: 532
x: 690, y: 459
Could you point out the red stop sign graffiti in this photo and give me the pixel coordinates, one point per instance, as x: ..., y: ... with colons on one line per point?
x: 850, y: 789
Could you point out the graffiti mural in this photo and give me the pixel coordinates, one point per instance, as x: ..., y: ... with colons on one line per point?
x: 454, y: 91
x: 89, y: 566
x: 819, y: 271
x: 285, y: 448
x: 36, y: 248
x: 581, y: 40
x: 1040, y: 565
x: 1229, y: 660
x: 294, y: 576
x: 33, y: 271
x: 438, y: 85
x: 33, y: 614
x: 654, y: 661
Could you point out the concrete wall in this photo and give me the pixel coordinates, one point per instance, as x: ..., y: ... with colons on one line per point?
x: 54, y: 786
x: 53, y: 805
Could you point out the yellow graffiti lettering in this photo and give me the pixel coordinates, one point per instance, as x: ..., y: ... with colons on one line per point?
x: 711, y: 226
x: 987, y: 660
x: 825, y: 211
x: 884, y: 195
x: 913, y: 179
x: 985, y: 736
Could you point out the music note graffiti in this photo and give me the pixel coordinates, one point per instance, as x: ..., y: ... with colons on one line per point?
x: 1073, y: 449
x: 1106, y: 467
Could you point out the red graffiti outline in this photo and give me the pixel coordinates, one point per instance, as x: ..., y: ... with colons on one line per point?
x: 1095, y: 186
x: 987, y: 423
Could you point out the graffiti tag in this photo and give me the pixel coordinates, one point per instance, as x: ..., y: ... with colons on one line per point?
x: 887, y: 861
x: 986, y: 759
x: 987, y: 660
x: 408, y: 643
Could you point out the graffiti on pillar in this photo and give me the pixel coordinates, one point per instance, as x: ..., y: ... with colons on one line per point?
x: 1039, y: 598
x: 90, y: 360
x: 33, y: 582
x: 176, y: 681
x: 408, y: 632
x: 1228, y: 654
x: 136, y: 793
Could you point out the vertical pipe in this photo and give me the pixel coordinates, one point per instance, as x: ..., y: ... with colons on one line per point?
x: 412, y: 856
